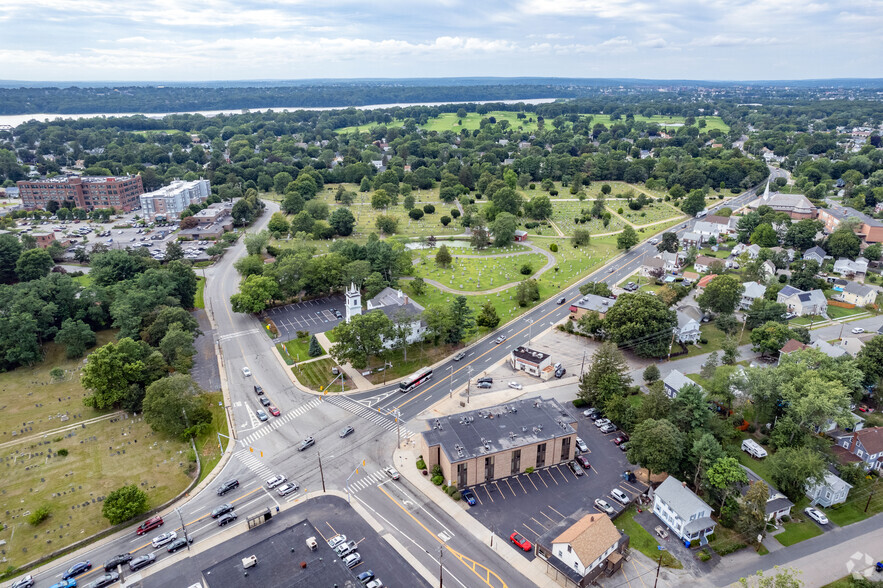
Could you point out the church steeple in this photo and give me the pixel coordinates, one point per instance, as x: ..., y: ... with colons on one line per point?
x: 766, y: 191
x: 353, y: 301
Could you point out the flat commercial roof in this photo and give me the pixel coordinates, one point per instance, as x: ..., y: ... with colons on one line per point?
x: 467, y: 435
x: 280, y: 567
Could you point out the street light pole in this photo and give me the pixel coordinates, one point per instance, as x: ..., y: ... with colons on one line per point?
x: 468, y: 383
x: 441, y: 551
x: 451, y: 382
x: 529, y: 332
x: 183, y: 527
x: 321, y: 473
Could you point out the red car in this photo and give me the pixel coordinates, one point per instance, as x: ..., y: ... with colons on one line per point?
x: 621, y: 439
x: 274, y: 411
x: 583, y: 461
x: 520, y: 541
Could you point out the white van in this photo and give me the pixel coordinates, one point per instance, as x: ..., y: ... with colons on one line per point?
x: 752, y: 448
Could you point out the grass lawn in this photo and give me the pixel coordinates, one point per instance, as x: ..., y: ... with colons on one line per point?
x: 643, y: 541
x: 102, y: 457
x: 726, y: 541
x: 564, y: 213
x: 649, y: 213
x: 758, y: 466
x: 331, y: 336
x: 797, y: 532
x: 715, y: 339
x: 317, y: 375
x: 296, y: 350
x: 836, y: 312
x: 199, y: 300
x: 419, y: 355
x: 476, y: 274
x: 853, y: 510
x: 207, y: 443
x: 86, y: 280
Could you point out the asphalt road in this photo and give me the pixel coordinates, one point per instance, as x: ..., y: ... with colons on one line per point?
x: 263, y: 449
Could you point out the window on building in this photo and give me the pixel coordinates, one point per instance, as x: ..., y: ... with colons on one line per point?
x: 489, y: 468
x: 565, y: 449
x: 516, y: 462
x: 541, y: 455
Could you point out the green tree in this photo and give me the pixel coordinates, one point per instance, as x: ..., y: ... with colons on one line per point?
x: 507, y: 200
x: 721, y: 295
x: 786, y: 578
x: 250, y: 265
x: 656, y: 404
x: 281, y: 181
x: 278, y: 223
x: 177, y: 348
x: 462, y: 320
x: 607, y: 376
x: 694, y: 203
x: 374, y: 284
x: 302, y: 222
x: 764, y: 235
x: 76, y: 336
x: 418, y: 286
x: 597, y: 288
x: 706, y: 450
x: 709, y: 367
x: 255, y: 294
x: 843, y: 242
x: 802, y: 234
x: 669, y: 242
x: 172, y: 405
x: 770, y: 337
x: 580, y: 237
x: 651, y: 373
x: 526, y: 292
x: 763, y: 311
x: 380, y: 199
x: 387, y: 225
x: 641, y: 322
x: 10, y: 250
x: 539, y: 207
x: 173, y: 251
x: 488, y: 317
x: 504, y: 228
x: 443, y: 257
x: 33, y: 264
x: 342, y: 221
x: 731, y: 351
x: 803, y: 274
x: 361, y: 338
x: 315, y: 349
x: 480, y: 238
x: 793, y: 468
x: 117, y: 373
x: 124, y: 504
x: 724, y: 476
x: 751, y: 521
x: 293, y: 203
x: 657, y: 445
x: 627, y: 239
x: 689, y: 409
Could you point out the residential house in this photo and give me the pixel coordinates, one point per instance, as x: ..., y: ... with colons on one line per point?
x: 751, y: 291
x: 706, y: 230
x: 703, y: 263
x: 851, y: 345
x: 590, y: 303
x: 688, y: 328
x: 777, y: 504
x: 867, y: 445
x: 803, y: 303
x: 584, y: 551
x: 396, y: 305
x: 653, y: 267
x: 705, y: 280
x: 830, y: 491
x: 847, y: 267
x: 726, y: 225
x: 687, y: 515
x: 752, y: 250
x: 675, y: 381
x: 816, y: 254
x: 791, y: 346
x: 767, y: 270
x: 858, y: 294
x: 789, y: 252
x: 691, y: 239
x: 829, y: 349
x: 671, y: 261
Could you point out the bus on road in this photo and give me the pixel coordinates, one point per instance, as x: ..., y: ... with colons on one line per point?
x: 415, y: 380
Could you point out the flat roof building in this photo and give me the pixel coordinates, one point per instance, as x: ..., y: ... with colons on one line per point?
x: 87, y: 192
x: 591, y: 303
x: 170, y: 201
x: 536, y: 363
x: 480, y: 446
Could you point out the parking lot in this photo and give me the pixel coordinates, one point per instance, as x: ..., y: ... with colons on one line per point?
x: 314, y: 316
x: 533, y: 504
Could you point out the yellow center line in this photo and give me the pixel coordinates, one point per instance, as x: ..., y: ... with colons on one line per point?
x: 469, y: 563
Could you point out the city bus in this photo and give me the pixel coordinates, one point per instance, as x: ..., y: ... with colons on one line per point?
x: 415, y: 380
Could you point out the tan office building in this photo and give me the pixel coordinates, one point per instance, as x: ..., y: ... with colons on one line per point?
x: 492, y: 443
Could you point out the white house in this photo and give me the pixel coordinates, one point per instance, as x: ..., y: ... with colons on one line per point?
x: 816, y: 254
x: 777, y: 504
x: 587, y: 545
x: 675, y: 381
x: 752, y: 250
x: 703, y: 263
x: 767, y: 269
x: 395, y: 305
x: 847, y: 267
x: 832, y: 490
x: 691, y: 239
x: 803, y: 303
x: 688, y: 328
x: 653, y: 267
x: 751, y: 291
x: 707, y: 230
x: 687, y: 515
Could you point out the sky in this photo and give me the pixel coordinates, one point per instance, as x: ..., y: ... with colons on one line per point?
x: 181, y: 40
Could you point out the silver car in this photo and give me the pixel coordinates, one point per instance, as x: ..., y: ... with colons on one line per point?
x: 287, y: 488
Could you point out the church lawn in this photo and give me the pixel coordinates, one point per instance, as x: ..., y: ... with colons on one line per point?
x: 480, y: 273
x: 297, y: 350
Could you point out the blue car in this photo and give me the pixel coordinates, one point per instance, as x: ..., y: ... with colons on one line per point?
x: 69, y: 583
x: 77, y: 569
x: 468, y: 496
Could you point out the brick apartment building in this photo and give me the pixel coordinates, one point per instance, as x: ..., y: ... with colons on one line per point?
x: 88, y: 192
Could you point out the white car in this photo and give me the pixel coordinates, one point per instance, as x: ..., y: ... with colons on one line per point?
x: 336, y: 540
x: 275, y: 481
x: 601, y: 422
x: 352, y: 560
x: 515, y: 386
x: 816, y: 515
x: 608, y: 428
x: 391, y: 472
x: 161, y: 540
x: 620, y: 496
x: 858, y: 331
x: 581, y: 445
x: 246, y: 372
x: 287, y: 488
x: 604, y: 506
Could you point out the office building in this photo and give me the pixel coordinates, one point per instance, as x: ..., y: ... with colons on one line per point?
x: 169, y: 201
x: 87, y: 192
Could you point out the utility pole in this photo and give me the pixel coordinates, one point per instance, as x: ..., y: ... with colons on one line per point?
x: 321, y: 473
x: 398, y: 416
x: 183, y: 527
x: 582, y: 365
x: 468, y: 383
x: 871, y: 495
x: 529, y: 332
x: 658, y: 566
x: 441, y: 551
x: 670, y: 345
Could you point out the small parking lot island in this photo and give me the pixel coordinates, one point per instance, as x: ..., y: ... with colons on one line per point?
x: 500, y: 441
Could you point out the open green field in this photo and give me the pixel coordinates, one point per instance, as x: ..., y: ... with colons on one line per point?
x: 207, y: 443
x: 649, y: 213
x: 564, y: 213
x: 317, y: 375
x: 102, y: 456
x: 643, y: 541
x: 480, y: 273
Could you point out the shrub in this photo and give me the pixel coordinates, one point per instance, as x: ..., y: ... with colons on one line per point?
x: 124, y: 503
x: 786, y: 519
x: 531, y: 225
x: 553, y: 247
x: 62, y: 452
x: 553, y: 192
x: 528, y: 470
x: 532, y: 186
x: 752, y: 429
x: 764, y: 441
x: 456, y: 495
x: 619, y: 210
x: 526, y: 269
x: 580, y: 402
x: 437, y: 480
x: 416, y: 214
x: 783, y: 278
x: 450, y: 490
x: 704, y: 555
x: 436, y: 470
x: 444, y: 488
x: 421, y: 465
x: 428, y: 208
x: 39, y: 515
x: 703, y: 340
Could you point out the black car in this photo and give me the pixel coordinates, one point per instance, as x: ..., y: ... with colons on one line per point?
x: 227, y: 486
x: 562, y: 300
x: 484, y: 385
x: 178, y: 544
x: 105, y: 580
x: 486, y: 379
x: 559, y: 373
x: 258, y: 390
x: 141, y: 561
x: 117, y: 560
x: 265, y: 401
x: 308, y: 442
x: 337, y: 314
x: 226, y: 518
x: 223, y: 509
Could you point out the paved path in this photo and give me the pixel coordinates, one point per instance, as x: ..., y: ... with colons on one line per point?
x: 550, y: 263
x: 557, y: 230
x: 356, y: 378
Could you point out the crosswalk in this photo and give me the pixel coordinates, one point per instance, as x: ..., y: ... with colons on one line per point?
x: 280, y: 421
x: 229, y: 336
x: 253, y: 462
x: 367, y: 481
x: 370, y: 414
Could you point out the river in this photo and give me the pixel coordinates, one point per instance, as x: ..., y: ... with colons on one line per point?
x: 14, y: 120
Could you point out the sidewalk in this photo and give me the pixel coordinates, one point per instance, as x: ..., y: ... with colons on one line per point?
x: 356, y: 378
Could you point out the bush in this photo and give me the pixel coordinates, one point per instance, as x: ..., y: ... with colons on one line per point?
x: 528, y: 470
x: 553, y: 247
x: 531, y: 225
x: 580, y: 402
x: 421, y: 465
x: 783, y: 278
x: 436, y: 470
x: 786, y: 519
x: 39, y: 515
x: 526, y: 269
x: 124, y: 503
x: 456, y: 495
x: 62, y: 452
x: 619, y: 210
x: 437, y: 480
x: 704, y: 555
x: 752, y: 429
x: 416, y: 214
x: 703, y: 340
x: 450, y: 490
x: 532, y: 187
x: 553, y: 192
x: 764, y: 441
x: 428, y: 208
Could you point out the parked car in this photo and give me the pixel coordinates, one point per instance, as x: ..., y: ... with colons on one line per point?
x: 149, y: 525
x: 500, y: 339
x: 622, y: 438
x: 264, y: 401
x: 581, y: 445
x: 141, y: 561
x: 375, y: 583
x: 366, y: 577
x: 308, y: 442
x: 591, y: 413
x: 246, y: 372
x: 274, y: 411
x: 601, y: 422
x: 336, y: 540
x: 161, y: 540
x: 344, y: 549
x: 483, y: 385
x: 226, y: 519
x: 391, y: 472
x: 459, y: 356
x: 858, y: 331
x: 661, y: 532
x: 352, y: 560
x: 485, y: 379
x: 77, y: 569
x: 620, y: 496
x: 559, y: 373
x: 104, y: 581
x: 574, y: 467
x: 520, y: 541
x: 583, y: 461
x: 287, y: 488
x: 227, y: 486
x: 816, y: 515
x: 608, y: 428
x: 515, y: 386
x: 117, y: 560
x: 347, y: 430
x: 178, y: 544
x: 262, y: 416
x: 603, y: 506
x: 468, y: 496
x: 623, y: 446
x: 69, y: 583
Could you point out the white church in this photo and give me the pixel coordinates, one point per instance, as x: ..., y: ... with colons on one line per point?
x: 393, y: 303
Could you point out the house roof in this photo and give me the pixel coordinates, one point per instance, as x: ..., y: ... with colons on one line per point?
x: 871, y: 438
x: 681, y: 499
x: 685, y: 319
x: 843, y: 455
x: 705, y: 280
x: 858, y: 289
x: 706, y: 260
x: 699, y: 524
x: 776, y: 501
x: 834, y: 482
x: 676, y: 380
x: 654, y: 262
x: 718, y: 220
x: 590, y: 537
x: 691, y: 236
x: 789, y: 291
x: 818, y: 251
x: 706, y: 227
x: 593, y: 302
x: 833, y: 351
x: 392, y: 297
x: 530, y: 355
x: 816, y: 297
x: 753, y: 290
x: 792, y: 345
x: 851, y: 345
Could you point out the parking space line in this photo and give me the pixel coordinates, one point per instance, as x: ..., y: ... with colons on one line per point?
x: 551, y: 520
x: 548, y: 471
x: 541, y: 480
x: 539, y: 523
x: 559, y: 471
x: 556, y: 512
x: 518, y: 479
x: 510, y: 488
x: 635, y: 488
x: 639, y: 574
x: 503, y: 496
x: 477, y: 497
x: 531, y: 481
x: 488, y: 492
x: 531, y: 530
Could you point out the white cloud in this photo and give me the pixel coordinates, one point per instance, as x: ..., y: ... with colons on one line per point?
x: 733, y: 41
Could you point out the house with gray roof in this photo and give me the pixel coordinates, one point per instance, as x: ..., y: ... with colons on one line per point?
x: 751, y: 291
x: 816, y: 254
x: 803, y: 303
x: 858, y: 294
x: 687, y: 515
x: 847, y: 267
x: 832, y: 351
x: 777, y: 505
x: 830, y: 491
x: 591, y: 303
x: 396, y: 305
x: 675, y: 381
x: 688, y: 328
